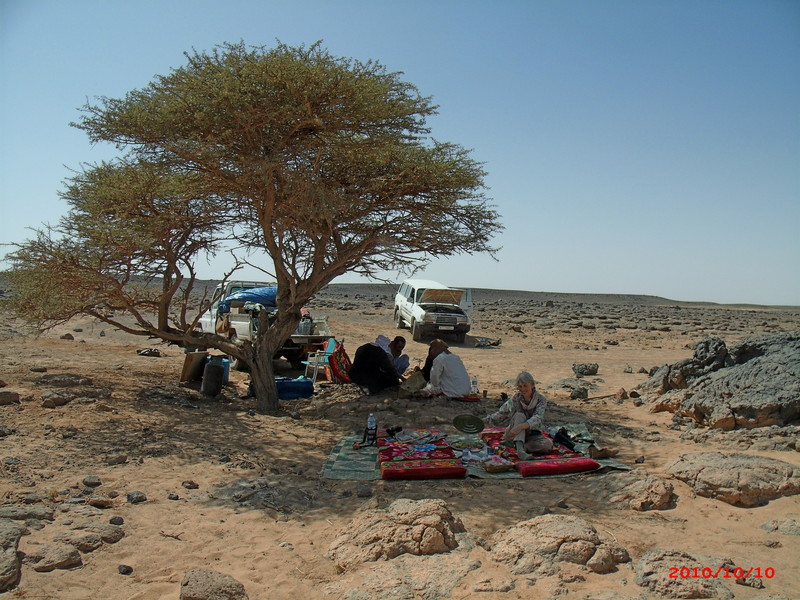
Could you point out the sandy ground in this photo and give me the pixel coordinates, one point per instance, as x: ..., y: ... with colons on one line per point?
x: 171, y: 435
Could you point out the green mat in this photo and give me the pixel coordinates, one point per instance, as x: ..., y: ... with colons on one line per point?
x: 362, y: 465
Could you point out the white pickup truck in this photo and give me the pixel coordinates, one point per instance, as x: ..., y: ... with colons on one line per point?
x: 430, y: 308
x: 238, y: 319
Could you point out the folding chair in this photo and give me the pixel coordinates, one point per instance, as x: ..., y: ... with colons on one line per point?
x: 319, y: 360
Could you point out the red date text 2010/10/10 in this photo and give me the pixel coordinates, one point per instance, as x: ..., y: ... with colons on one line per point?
x: 721, y: 572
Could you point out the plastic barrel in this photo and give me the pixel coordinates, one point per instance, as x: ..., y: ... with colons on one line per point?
x: 212, y: 379
x: 226, y: 364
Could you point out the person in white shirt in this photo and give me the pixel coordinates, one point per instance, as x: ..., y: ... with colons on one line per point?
x: 449, y: 377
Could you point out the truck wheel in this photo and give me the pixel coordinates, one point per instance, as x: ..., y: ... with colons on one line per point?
x: 416, y: 331
x: 398, y: 320
x: 235, y: 363
x: 461, y: 337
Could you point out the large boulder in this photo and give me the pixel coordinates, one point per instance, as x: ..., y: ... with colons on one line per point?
x: 648, y: 493
x: 10, y: 533
x: 405, y: 527
x: 738, y: 479
x: 659, y: 571
x: 754, y: 384
x: 537, y: 546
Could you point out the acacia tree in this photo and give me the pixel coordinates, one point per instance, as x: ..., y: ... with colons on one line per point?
x: 323, y: 162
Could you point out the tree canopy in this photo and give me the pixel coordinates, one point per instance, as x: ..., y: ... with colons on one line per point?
x: 325, y: 163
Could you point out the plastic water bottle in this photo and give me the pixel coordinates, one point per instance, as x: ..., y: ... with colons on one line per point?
x: 474, y: 384
x: 371, y: 432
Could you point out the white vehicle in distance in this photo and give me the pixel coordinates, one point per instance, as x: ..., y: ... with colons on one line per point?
x: 429, y: 308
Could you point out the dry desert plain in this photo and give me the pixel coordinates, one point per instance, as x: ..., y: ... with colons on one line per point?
x: 136, y: 428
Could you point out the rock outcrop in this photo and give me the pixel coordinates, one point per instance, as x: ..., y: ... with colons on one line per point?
x: 738, y: 479
x: 537, y: 546
x: 418, y: 527
x: 754, y: 384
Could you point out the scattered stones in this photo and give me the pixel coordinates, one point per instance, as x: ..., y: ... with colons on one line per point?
x: 204, y: 584
x: 738, y: 479
x: 418, y: 527
x: 56, y: 398
x: 63, y: 380
x: 537, y: 546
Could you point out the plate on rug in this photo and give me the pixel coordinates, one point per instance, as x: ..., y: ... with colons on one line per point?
x: 468, y: 423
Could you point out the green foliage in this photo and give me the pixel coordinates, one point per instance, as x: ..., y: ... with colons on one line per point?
x: 323, y: 163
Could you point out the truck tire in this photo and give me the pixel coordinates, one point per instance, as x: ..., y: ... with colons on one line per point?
x: 416, y: 331
x: 461, y: 337
x: 398, y: 320
x: 235, y: 363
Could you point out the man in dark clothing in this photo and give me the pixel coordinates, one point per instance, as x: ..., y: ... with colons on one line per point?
x: 372, y: 368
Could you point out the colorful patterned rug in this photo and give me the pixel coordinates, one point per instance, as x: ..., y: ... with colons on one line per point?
x: 347, y: 463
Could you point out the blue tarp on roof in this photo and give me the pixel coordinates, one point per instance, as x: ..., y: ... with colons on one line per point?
x: 263, y: 295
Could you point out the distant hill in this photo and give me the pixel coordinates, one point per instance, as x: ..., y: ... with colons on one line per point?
x: 486, y: 295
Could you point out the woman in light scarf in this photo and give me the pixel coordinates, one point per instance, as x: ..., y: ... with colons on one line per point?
x: 524, y: 411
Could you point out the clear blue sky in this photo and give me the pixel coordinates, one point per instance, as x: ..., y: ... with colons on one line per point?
x: 643, y: 147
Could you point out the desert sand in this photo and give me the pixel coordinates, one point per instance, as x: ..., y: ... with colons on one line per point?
x: 140, y: 429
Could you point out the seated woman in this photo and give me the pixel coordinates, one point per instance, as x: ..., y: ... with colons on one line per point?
x: 448, y: 376
x: 372, y: 366
x: 524, y: 412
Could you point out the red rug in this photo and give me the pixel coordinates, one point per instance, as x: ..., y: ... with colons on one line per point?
x: 560, y: 461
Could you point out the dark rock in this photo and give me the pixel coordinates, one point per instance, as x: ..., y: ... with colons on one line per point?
x: 190, y: 485
x: 116, y: 521
x: 91, y: 481
x: 585, y: 369
x: 8, y: 397
x: 124, y: 569
x: 136, y: 497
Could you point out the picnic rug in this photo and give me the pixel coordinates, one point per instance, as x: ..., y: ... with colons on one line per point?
x: 438, y: 457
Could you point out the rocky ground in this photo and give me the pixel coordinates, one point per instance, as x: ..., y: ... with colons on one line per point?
x: 120, y: 482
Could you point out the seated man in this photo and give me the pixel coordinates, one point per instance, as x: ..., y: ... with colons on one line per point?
x: 524, y: 412
x: 372, y: 366
x: 448, y: 375
x: 401, y: 361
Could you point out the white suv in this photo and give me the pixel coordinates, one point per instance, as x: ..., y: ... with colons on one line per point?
x: 429, y: 308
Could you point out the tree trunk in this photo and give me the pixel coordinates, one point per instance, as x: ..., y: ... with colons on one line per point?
x: 269, y: 340
x: 262, y: 375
